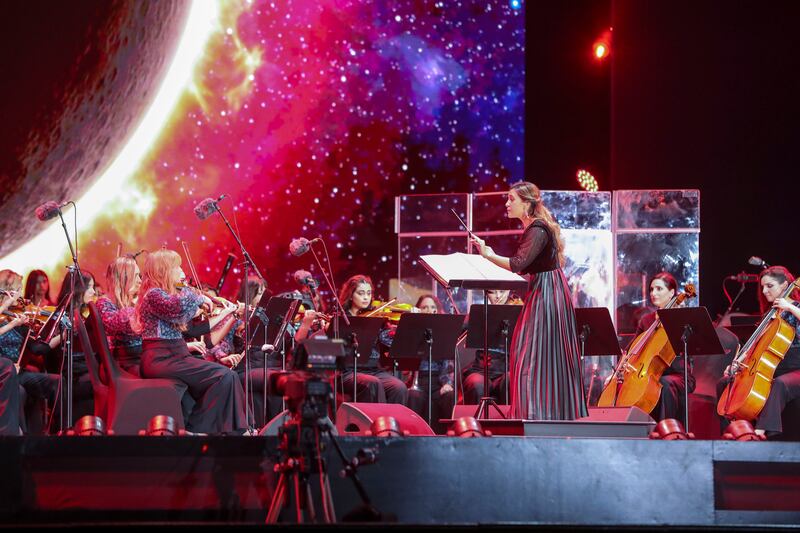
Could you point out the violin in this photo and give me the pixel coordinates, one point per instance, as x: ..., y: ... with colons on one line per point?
x: 389, y: 310
x: 636, y: 380
x: 754, y: 366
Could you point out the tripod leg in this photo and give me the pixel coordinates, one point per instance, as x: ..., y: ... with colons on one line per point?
x: 327, y: 500
x: 278, y: 500
x: 308, y: 502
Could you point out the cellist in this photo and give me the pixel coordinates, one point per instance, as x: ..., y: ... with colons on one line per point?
x: 786, y: 384
x: 663, y: 288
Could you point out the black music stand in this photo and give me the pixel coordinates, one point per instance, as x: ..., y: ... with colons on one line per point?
x: 473, y: 272
x: 362, y: 334
x: 502, y: 322
x: 426, y: 336
x: 691, y: 333
x: 596, y: 334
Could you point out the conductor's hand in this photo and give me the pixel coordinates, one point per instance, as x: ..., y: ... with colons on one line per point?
x: 483, y: 249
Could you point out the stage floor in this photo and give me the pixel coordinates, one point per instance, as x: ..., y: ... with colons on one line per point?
x: 416, y: 480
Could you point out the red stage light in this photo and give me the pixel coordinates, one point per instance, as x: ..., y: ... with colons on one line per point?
x: 601, y: 48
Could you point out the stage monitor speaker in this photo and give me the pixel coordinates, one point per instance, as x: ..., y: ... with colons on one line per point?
x: 470, y: 410
x: 602, y: 422
x: 617, y: 414
x: 272, y: 427
x: 356, y: 418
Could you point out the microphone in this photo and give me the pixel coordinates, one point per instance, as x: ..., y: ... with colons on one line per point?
x: 744, y: 277
x: 757, y: 261
x: 300, y: 246
x: 49, y: 210
x: 208, y: 207
x: 304, y: 278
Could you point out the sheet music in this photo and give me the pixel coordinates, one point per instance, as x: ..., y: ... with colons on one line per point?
x: 461, y: 266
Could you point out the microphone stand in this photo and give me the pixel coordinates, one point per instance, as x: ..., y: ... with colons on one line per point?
x: 248, y: 263
x: 67, y: 341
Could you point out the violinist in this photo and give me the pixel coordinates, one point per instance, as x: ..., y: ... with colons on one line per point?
x: 442, y: 399
x: 34, y: 385
x: 9, y: 399
x: 375, y: 384
x: 472, y: 375
x: 161, y: 312
x: 37, y: 289
x: 786, y: 384
x: 257, y: 290
x: 116, y: 309
x: 82, y: 390
x: 663, y: 288
x: 546, y: 380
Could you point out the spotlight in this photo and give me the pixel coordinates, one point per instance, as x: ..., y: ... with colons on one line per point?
x: 515, y: 4
x: 741, y: 430
x: 89, y: 426
x: 601, y: 48
x: 467, y: 426
x: 670, y: 429
x: 386, y: 426
x: 162, y: 426
x: 586, y: 180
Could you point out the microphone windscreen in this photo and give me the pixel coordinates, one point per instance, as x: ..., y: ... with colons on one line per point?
x: 298, y: 246
x: 205, y: 209
x: 47, y: 210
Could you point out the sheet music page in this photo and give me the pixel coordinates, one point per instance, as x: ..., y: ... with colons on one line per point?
x: 463, y: 266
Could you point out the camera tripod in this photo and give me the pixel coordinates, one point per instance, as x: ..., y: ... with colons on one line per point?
x: 301, y: 444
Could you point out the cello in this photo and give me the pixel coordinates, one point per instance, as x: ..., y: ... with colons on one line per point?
x: 636, y: 380
x: 754, y: 366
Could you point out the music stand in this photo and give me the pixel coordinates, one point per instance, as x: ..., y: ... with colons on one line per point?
x: 596, y: 334
x: 422, y: 335
x: 362, y: 333
x: 473, y: 272
x: 691, y: 333
x: 502, y: 321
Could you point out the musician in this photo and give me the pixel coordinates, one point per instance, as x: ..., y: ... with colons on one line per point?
x: 663, y: 288
x: 472, y: 375
x: 116, y: 309
x: 33, y: 384
x: 257, y: 291
x: 546, y: 372
x: 37, y: 289
x: 442, y: 398
x: 9, y: 398
x: 786, y: 384
x: 82, y: 390
x: 161, y: 311
x: 375, y: 384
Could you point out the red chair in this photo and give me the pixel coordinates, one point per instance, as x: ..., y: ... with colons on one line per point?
x: 131, y: 401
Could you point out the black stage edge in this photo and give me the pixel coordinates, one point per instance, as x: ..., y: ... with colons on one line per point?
x: 420, y: 480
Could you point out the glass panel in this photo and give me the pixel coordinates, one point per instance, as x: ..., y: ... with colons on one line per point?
x: 579, y: 209
x: 642, y: 255
x: 589, y: 267
x: 658, y: 209
x: 572, y: 210
x: 414, y: 279
x: 420, y: 213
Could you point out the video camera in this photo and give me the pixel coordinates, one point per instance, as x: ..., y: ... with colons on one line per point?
x: 305, y: 390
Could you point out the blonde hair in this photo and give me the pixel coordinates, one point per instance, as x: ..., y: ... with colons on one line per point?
x: 156, y: 274
x: 528, y: 192
x: 121, y: 276
x: 10, y: 280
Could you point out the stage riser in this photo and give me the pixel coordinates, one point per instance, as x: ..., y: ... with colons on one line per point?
x: 418, y: 479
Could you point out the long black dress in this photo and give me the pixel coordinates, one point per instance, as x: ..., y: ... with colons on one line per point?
x: 546, y: 374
